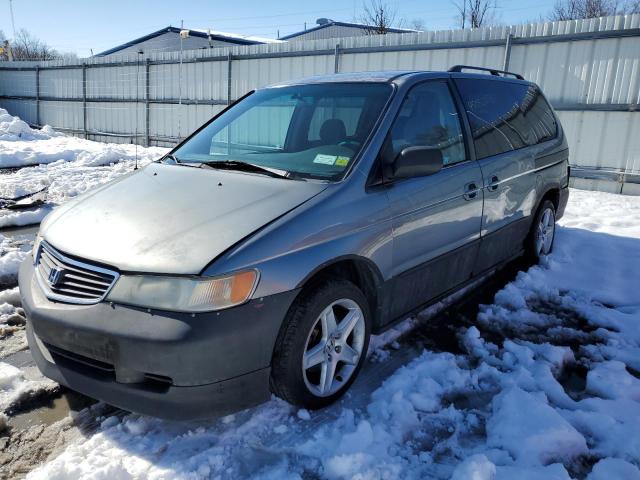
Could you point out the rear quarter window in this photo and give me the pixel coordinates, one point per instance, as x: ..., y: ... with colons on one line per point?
x: 505, y: 116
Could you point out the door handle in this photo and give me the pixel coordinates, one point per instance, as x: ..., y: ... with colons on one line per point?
x: 470, y: 191
x: 493, y: 184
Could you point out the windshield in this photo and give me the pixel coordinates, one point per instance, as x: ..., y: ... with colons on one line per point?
x: 309, y: 131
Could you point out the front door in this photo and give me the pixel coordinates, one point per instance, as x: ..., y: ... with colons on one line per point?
x: 436, y: 218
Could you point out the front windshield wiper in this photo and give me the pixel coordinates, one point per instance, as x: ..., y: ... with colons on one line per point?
x: 177, y: 161
x: 247, y: 167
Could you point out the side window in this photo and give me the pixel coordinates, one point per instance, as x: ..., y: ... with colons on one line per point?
x: 428, y: 117
x: 542, y: 118
x: 505, y: 116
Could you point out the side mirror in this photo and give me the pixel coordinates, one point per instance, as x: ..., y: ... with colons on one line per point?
x: 417, y: 162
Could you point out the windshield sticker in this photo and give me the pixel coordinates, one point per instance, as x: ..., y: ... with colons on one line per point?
x: 325, y: 159
x: 342, y: 161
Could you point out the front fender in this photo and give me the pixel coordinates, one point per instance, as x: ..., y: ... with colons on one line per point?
x: 338, y: 223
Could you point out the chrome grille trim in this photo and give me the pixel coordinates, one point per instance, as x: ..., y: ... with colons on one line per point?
x: 81, y: 283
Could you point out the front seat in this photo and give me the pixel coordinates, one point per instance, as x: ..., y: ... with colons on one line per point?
x: 429, y: 131
x: 332, y: 132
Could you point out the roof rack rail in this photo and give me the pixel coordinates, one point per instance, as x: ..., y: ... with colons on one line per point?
x: 492, y: 71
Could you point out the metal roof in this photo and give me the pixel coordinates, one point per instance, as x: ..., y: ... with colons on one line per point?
x: 232, y: 38
x: 218, y: 35
x: 345, y: 24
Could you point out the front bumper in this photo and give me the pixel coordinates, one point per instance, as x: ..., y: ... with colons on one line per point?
x: 166, y: 364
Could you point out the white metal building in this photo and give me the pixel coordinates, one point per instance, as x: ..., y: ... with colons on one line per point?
x: 327, y: 28
x: 168, y: 40
x: 588, y: 69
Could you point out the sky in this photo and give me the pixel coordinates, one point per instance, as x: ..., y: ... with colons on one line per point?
x: 83, y: 25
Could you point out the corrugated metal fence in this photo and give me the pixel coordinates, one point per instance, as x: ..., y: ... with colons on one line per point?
x: 589, y: 69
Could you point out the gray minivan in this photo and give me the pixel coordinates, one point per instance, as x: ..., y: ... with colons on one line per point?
x: 260, y: 254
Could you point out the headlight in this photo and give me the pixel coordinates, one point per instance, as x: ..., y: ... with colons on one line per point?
x: 184, y: 294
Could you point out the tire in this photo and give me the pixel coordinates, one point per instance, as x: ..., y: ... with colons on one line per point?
x: 305, y: 335
x: 543, y: 232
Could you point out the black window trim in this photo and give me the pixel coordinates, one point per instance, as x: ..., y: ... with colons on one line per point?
x: 471, y: 142
x: 464, y: 128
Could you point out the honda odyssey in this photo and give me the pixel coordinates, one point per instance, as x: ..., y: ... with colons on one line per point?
x: 261, y: 253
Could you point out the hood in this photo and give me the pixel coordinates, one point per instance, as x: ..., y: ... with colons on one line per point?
x: 171, y: 219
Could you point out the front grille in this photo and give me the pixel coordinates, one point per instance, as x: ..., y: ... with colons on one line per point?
x: 69, y: 280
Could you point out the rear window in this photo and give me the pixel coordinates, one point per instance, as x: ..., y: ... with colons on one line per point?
x: 505, y: 116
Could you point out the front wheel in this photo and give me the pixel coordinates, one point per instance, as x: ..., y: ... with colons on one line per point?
x: 322, y: 344
x: 543, y: 231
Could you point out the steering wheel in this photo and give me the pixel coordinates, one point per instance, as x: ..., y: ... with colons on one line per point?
x: 352, y: 144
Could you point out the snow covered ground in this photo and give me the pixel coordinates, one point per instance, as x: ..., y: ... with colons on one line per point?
x: 12, y: 255
x: 547, y: 387
x: 543, y: 384
x: 64, y: 166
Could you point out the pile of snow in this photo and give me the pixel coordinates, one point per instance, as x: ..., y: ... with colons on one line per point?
x: 10, y: 297
x: 12, y: 323
x: 85, y: 153
x: 541, y: 436
x: 64, y: 180
x: 14, y: 386
x: 21, y: 145
x: 614, y: 468
x: 11, y: 256
x: 501, y: 410
x: 14, y: 129
x: 9, y: 304
x: 64, y: 166
x: 19, y: 218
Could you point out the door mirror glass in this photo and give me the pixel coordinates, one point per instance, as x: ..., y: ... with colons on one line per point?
x: 417, y: 162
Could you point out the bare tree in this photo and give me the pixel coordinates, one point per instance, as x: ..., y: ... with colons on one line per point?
x: 572, y: 9
x: 70, y: 56
x: 27, y: 47
x: 475, y: 13
x: 379, y: 16
x: 575, y: 9
x: 418, y: 24
x: 3, y: 46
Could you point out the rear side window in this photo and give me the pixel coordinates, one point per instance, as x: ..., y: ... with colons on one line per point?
x: 505, y: 116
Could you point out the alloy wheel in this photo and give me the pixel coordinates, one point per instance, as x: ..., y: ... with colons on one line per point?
x: 545, y: 232
x: 333, y: 347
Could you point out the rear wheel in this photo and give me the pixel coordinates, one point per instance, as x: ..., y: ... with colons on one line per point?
x: 322, y: 344
x: 543, y: 232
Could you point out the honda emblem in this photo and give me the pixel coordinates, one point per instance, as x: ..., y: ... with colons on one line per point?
x: 55, y: 275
